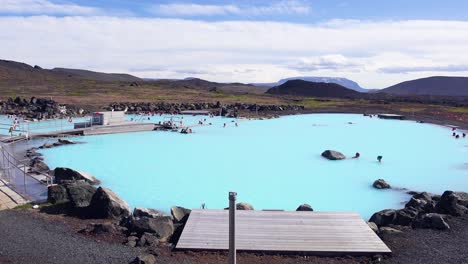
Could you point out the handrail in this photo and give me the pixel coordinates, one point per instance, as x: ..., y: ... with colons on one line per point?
x: 10, y: 166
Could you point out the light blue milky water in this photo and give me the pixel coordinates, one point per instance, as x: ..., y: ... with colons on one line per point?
x: 274, y: 164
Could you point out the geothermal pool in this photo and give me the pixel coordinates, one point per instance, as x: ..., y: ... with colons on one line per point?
x: 274, y: 164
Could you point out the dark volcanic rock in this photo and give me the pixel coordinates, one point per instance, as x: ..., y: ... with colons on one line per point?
x: 66, y: 174
x: 106, y: 204
x: 80, y: 194
x: 432, y: 220
x: 452, y: 204
x: 381, y: 184
x: 146, y: 212
x: 405, y: 217
x: 384, y: 217
x: 333, y: 155
x: 180, y: 214
x: 244, y: 206
x: 162, y: 227
x: 147, y: 239
x: 144, y: 259
x: 57, y: 194
x: 421, y: 205
x: 304, y: 207
x: 37, y: 165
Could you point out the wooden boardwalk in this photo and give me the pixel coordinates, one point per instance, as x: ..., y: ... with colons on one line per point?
x: 94, y: 130
x: 315, y: 233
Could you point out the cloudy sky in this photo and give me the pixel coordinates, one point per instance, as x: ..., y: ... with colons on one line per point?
x: 376, y: 43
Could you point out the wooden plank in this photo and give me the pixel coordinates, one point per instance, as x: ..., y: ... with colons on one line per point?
x: 282, y: 231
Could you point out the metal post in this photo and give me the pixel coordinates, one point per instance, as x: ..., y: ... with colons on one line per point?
x: 232, y: 227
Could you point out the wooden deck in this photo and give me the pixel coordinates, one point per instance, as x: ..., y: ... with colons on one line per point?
x: 315, y: 233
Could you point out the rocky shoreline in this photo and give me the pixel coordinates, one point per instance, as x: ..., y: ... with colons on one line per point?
x: 42, y: 108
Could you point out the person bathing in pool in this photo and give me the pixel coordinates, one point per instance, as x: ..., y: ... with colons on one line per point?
x: 357, y: 155
x: 379, y: 158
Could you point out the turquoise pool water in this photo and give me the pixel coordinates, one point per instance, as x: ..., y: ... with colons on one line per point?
x: 274, y: 164
x: 37, y: 127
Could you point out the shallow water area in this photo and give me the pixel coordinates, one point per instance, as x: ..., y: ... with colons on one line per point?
x: 273, y: 164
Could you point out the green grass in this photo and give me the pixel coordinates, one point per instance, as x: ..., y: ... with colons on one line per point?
x: 76, y: 93
x: 316, y: 103
x: 30, y: 205
x: 461, y: 110
x: 24, y: 206
x: 412, y: 109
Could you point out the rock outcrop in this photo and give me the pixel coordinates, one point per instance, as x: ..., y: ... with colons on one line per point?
x: 57, y: 194
x: 452, y: 203
x: 304, y: 207
x: 230, y: 110
x: 106, y: 204
x: 80, y: 194
x: 333, y: 155
x: 244, y: 206
x: 146, y: 212
x: 65, y: 174
x: 162, y: 226
x: 180, y: 214
x: 431, y: 220
x: 381, y: 184
x: 424, y: 210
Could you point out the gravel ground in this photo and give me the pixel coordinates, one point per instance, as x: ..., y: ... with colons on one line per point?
x: 27, y: 237
x: 431, y: 246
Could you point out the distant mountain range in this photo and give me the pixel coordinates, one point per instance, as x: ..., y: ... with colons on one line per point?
x: 17, y: 75
x: 437, y: 85
x: 341, y: 81
x: 312, y: 89
x: 99, y: 76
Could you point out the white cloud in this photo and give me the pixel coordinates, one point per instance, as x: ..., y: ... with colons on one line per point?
x: 243, y: 51
x: 327, y: 62
x: 44, y: 7
x: 195, y: 9
x: 192, y: 9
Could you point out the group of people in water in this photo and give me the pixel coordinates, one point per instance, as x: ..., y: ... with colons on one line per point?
x: 357, y: 155
x: 456, y: 135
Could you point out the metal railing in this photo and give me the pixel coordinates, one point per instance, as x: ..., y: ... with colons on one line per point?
x: 18, y: 175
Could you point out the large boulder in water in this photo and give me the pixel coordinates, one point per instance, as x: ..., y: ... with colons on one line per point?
x: 106, y: 204
x: 381, y: 184
x: 305, y: 207
x: 333, y: 155
x: 180, y: 214
x: 244, y: 206
x: 451, y: 203
x: 432, y: 220
x: 162, y: 226
x: 65, y: 175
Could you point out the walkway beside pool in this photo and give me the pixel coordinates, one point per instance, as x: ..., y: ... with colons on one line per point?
x: 313, y: 233
x: 8, y: 198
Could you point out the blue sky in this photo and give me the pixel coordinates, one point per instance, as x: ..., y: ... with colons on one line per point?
x: 318, y: 10
x: 376, y: 43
